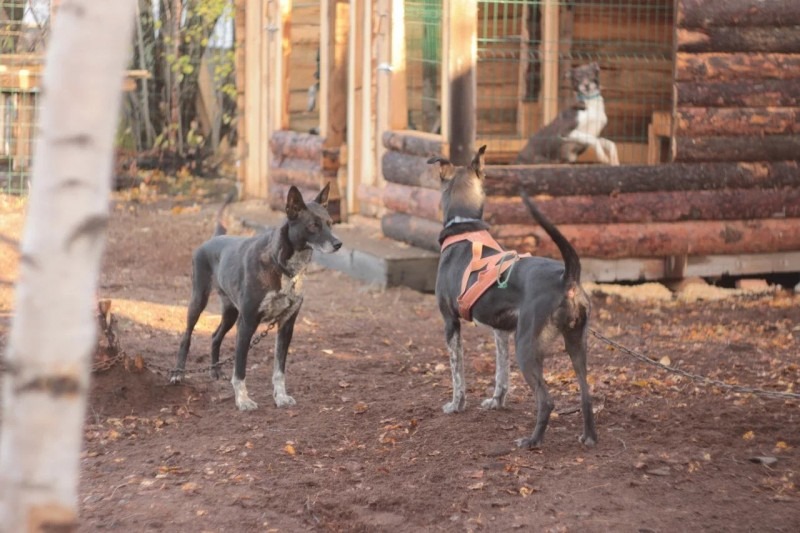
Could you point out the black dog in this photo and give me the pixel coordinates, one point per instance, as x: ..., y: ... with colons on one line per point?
x: 534, y: 298
x: 259, y: 279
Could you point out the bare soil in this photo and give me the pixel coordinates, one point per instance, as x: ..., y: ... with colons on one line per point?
x: 367, y: 447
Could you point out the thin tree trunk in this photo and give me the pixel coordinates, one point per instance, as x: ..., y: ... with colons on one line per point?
x: 53, y: 330
x: 148, y: 124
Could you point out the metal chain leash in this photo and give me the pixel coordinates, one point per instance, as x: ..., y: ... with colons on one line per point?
x: 697, y: 377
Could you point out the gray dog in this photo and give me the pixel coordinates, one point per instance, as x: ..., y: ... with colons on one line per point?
x: 259, y: 279
x: 533, y: 298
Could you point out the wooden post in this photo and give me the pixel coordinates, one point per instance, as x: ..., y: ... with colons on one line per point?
x: 524, y: 64
x: 459, y: 56
x: 333, y: 90
x: 357, y: 93
x: 550, y: 60
x: 254, y: 113
x: 240, y: 10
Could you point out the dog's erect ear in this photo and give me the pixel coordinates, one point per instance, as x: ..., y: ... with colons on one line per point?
x: 478, y: 161
x: 322, y: 197
x: 446, y: 168
x: 294, y: 203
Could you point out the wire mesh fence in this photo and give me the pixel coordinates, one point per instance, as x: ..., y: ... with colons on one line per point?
x: 24, y: 27
x: 423, y: 20
x: 526, y: 48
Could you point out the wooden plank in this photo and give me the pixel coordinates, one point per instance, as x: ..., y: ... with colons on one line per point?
x: 739, y: 93
x: 705, y: 14
x: 743, y: 121
x: 522, y: 72
x: 566, y: 180
x: 550, y: 77
x: 461, y: 78
x: 746, y: 148
x: 733, y: 39
x: 717, y: 66
x: 398, y: 117
x: 355, y: 101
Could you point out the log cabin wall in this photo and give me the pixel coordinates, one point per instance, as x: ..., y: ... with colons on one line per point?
x: 737, y: 73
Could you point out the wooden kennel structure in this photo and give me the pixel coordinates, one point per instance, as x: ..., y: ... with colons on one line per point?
x: 710, y: 186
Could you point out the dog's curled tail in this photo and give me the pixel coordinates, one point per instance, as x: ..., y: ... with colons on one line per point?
x: 572, y: 263
x: 220, y: 229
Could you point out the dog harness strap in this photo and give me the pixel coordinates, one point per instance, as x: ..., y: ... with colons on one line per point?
x: 489, y: 269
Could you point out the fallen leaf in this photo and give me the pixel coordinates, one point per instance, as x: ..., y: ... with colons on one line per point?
x: 360, y: 408
x: 663, y: 471
x: 326, y: 351
x: 666, y: 361
x: 343, y: 384
x: 477, y: 474
x: 190, y: 486
x: 749, y: 435
x: 289, y: 449
x: 476, y: 486
x: 780, y: 445
x: 526, y: 491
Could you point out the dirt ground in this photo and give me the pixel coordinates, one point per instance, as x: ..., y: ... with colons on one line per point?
x: 367, y: 447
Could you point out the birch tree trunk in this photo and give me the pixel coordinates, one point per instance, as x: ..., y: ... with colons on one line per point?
x: 53, y: 330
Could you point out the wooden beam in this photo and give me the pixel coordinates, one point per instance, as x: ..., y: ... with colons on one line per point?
x: 742, y: 121
x: 239, y: 20
x: 717, y: 66
x: 550, y: 61
x: 567, y: 180
x: 747, y: 148
x: 732, y: 39
x: 355, y: 101
x: 459, y: 54
x: 705, y: 14
x: 739, y: 93
x: 398, y: 117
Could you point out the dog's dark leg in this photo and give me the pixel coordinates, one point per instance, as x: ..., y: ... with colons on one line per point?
x: 282, y: 342
x: 245, y: 330
x: 452, y: 332
x: 201, y: 287
x: 229, y: 316
x: 498, y: 399
x: 575, y: 344
x: 530, y: 356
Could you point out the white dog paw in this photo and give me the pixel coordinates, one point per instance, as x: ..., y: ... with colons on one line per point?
x: 284, y: 400
x: 247, y: 405
x: 492, y: 403
x: 454, y: 407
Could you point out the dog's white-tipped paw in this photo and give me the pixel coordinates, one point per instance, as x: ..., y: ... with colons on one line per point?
x: 492, y: 403
x: 247, y: 405
x: 454, y: 407
x: 284, y: 400
x: 175, y: 378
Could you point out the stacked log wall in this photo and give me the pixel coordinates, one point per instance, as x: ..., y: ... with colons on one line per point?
x: 297, y: 160
x: 737, y: 81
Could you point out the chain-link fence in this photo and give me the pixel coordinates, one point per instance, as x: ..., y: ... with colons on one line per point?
x: 24, y: 27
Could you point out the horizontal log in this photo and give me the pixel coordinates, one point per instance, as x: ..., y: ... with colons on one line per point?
x: 645, y: 207
x: 415, y: 231
x: 414, y: 142
x: 705, y: 13
x: 307, y: 179
x: 569, y: 180
x: 731, y: 39
x: 739, y: 93
x: 753, y: 148
x: 718, y: 66
x: 615, y: 241
x: 279, y: 191
x: 700, y: 122
x: 410, y: 170
x: 417, y: 201
x: 286, y: 143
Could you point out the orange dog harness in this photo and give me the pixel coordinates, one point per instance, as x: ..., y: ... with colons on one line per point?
x: 489, y: 269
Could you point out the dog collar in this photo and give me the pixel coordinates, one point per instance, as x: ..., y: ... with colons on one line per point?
x: 460, y: 220
x: 594, y: 96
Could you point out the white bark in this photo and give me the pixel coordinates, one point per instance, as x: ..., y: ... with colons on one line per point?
x: 53, y: 330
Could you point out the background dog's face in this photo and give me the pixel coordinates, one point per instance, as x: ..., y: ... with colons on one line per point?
x: 585, y: 79
x: 462, y: 187
x: 310, y: 224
